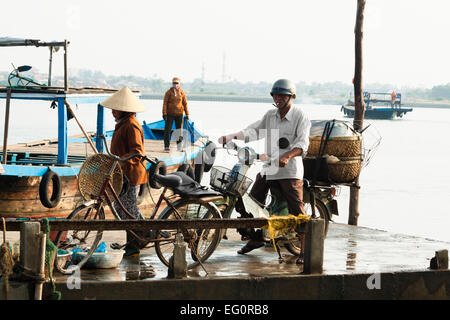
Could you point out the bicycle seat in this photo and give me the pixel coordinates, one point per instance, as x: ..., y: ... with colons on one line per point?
x: 170, y: 180
x: 190, y: 187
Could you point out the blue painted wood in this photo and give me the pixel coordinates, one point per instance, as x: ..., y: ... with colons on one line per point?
x: 72, y: 98
x: 38, y: 171
x: 155, y: 130
x: 94, y: 99
x: 100, y: 127
x: 62, y: 132
x: 148, y: 134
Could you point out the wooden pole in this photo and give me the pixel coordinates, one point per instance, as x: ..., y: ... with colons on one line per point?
x: 31, y: 253
x: 66, y: 75
x: 5, y: 132
x: 359, y: 105
x: 50, y: 67
x: 41, y: 267
x: 81, y: 127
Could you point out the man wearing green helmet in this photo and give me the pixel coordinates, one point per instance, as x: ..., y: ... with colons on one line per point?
x: 286, y: 132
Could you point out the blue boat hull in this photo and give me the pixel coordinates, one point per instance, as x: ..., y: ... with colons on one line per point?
x: 377, y: 113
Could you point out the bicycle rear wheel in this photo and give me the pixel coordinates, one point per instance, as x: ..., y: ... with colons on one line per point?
x: 84, y: 240
x: 294, y: 246
x: 201, y: 243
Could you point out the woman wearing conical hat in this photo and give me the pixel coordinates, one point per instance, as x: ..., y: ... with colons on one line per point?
x: 128, y: 139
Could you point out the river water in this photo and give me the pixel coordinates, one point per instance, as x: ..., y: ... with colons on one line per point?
x: 403, y: 188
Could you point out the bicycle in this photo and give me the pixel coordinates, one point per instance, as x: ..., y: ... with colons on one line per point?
x: 233, y: 185
x: 100, y: 181
x: 20, y: 80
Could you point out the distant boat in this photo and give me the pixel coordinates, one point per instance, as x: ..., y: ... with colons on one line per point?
x: 378, y: 106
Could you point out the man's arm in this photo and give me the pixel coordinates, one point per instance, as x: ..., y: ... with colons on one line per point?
x: 248, y: 134
x: 186, y: 111
x: 284, y: 159
x: 236, y: 136
x: 166, y: 100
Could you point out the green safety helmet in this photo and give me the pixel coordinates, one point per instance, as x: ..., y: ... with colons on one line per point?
x: 283, y: 86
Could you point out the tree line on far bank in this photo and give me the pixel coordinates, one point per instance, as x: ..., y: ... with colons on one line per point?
x: 336, y: 89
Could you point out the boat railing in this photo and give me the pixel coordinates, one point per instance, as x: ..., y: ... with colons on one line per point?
x: 25, y: 158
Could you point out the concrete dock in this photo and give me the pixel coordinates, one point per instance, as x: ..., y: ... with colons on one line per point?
x: 359, y: 263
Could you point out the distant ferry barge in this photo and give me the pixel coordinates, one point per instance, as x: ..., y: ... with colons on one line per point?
x: 378, y: 106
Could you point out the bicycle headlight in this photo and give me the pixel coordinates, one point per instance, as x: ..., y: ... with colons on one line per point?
x: 246, y: 155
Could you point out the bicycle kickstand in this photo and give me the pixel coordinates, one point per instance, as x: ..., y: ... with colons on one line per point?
x: 277, y: 247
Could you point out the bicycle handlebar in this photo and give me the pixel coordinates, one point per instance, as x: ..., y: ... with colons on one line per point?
x: 144, y: 157
x: 248, y: 151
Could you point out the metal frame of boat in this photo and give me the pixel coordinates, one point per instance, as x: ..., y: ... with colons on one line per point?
x: 378, y: 106
x: 25, y: 164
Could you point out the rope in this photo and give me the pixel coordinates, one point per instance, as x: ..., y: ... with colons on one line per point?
x: 323, y: 144
x: 27, y: 274
x: 6, y: 261
x: 50, y: 252
x: 190, y: 131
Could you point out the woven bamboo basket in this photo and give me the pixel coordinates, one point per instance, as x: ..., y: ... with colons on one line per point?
x: 337, y: 146
x: 93, y: 174
x: 345, y: 170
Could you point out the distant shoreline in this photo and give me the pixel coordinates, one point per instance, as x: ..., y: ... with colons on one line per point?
x: 256, y: 99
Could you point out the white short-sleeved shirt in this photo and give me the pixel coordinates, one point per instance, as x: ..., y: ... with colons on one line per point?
x: 295, y: 127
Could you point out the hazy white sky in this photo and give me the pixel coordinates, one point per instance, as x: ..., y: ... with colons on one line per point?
x: 406, y: 42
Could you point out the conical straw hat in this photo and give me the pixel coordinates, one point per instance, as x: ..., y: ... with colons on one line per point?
x: 124, y: 100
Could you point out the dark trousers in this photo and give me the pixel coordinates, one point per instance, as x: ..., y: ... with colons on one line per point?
x: 292, y: 190
x: 168, y: 128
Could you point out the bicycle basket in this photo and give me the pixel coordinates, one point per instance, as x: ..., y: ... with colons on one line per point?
x: 93, y: 174
x: 224, y: 180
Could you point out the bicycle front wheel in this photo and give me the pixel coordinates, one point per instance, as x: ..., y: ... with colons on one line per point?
x: 294, y: 246
x: 201, y: 243
x: 85, y: 242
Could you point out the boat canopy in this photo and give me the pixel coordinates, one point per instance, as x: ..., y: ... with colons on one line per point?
x: 58, y: 95
x: 17, y: 42
x: 371, y: 98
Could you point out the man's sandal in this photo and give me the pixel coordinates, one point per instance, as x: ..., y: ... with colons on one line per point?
x: 249, y: 247
x: 300, y: 259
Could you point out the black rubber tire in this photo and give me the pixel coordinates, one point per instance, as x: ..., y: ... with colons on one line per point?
x: 209, y: 156
x: 293, y: 246
x: 186, y: 168
x: 198, y: 172
x: 199, y: 166
x: 88, y: 238
x: 47, y: 200
x: 190, y: 209
x: 159, y: 168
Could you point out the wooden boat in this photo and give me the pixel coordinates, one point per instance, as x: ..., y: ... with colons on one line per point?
x: 39, y: 179
x: 378, y: 106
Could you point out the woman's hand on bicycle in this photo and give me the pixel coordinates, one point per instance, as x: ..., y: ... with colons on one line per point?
x: 142, y: 156
x: 234, y: 136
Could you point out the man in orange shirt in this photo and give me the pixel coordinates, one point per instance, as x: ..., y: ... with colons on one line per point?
x: 394, y: 97
x: 174, y: 105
